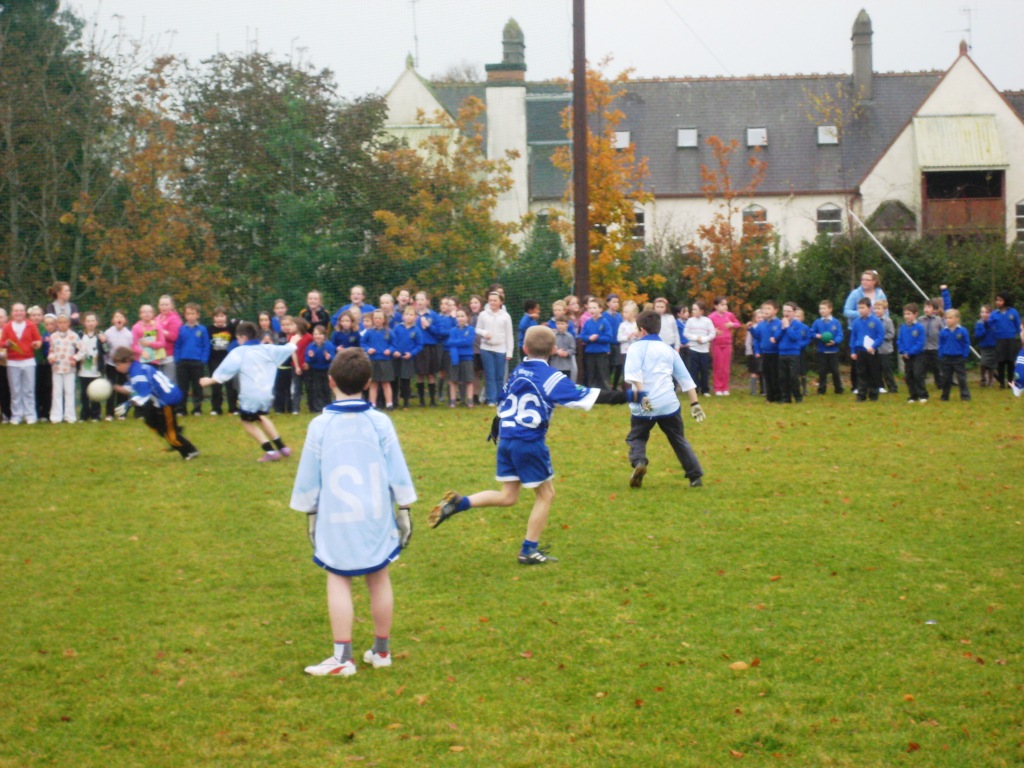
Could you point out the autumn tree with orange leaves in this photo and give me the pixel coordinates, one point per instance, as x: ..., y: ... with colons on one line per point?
x: 615, y: 186
x: 726, y: 260
x: 160, y: 244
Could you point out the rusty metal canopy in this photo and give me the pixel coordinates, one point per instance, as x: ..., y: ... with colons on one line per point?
x: 958, y: 142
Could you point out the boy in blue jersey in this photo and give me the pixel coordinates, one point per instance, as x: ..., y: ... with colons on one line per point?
x: 954, y: 349
x: 653, y: 366
x: 597, y: 340
x: 866, y: 336
x: 828, y: 347
x: 910, y: 342
x: 155, y: 397
x: 191, y: 354
x: 1006, y: 327
x: 255, y: 364
x: 766, y: 346
x: 793, y: 337
x: 524, y: 413
x: 351, y: 476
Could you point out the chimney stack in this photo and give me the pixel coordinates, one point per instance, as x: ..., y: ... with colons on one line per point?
x: 862, y: 64
x: 512, y: 68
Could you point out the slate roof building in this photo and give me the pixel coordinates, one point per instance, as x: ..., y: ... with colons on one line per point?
x: 927, y: 152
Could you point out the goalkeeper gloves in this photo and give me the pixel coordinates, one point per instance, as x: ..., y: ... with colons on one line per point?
x: 311, y: 529
x: 495, y: 427
x: 404, y: 521
x: 697, y: 412
x: 122, y: 409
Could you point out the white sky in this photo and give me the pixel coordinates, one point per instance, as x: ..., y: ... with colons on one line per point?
x: 365, y: 42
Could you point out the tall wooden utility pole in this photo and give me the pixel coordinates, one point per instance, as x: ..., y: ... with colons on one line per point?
x: 581, y: 200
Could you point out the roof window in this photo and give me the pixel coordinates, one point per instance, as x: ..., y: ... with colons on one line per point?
x: 757, y: 137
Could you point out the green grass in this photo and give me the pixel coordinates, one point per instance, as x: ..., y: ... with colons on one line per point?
x: 867, y: 556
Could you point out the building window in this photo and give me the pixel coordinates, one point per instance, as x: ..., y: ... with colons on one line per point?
x: 830, y: 219
x: 828, y: 134
x: 755, y: 217
x: 639, y: 228
x: 1020, y: 221
x: 757, y: 137
x: 686, y: 138
x: 622, y: 139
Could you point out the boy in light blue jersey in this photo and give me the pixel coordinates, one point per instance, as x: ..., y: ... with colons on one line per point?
x: 351, y: 476
x: 255, y: 364
x: 653, y: 365
x: 524, y: 413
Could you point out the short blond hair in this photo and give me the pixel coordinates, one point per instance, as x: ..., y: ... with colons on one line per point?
x: 539, y: 341
x: 953, y: 313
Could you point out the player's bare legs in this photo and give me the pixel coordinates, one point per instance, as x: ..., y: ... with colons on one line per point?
x: 269, y: 428
x: 545, y: 494
x: 506, y: 497
x: 382, y: 601
x: 255, y: 430
x: 339, y: 605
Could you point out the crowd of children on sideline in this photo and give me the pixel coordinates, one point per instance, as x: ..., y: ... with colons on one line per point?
x: 460, y: 353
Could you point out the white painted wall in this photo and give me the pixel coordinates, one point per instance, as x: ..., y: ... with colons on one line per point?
x: 506, y: 130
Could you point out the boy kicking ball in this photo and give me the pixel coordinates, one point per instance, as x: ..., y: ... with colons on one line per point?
x: 155, y: 397
x: 351, y: 475
x: 530, y: 396
x: 255, y: 364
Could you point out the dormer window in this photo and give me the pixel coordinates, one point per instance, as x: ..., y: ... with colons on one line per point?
x: 686, y: 138
x: 828, y: 134
x: 622, y: 139
x: 757, y: 137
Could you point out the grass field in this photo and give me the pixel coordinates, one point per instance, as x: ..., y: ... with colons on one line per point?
x: 863, y: 560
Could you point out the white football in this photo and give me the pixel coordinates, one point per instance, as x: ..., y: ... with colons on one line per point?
x: 99, y: 390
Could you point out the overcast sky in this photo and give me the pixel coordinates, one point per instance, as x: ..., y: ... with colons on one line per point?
x: 365, y: 42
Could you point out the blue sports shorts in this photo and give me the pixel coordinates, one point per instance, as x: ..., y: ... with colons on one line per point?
x: 528, y: 461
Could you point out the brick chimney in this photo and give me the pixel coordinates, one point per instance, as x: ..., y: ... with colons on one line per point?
x: 512, y: 68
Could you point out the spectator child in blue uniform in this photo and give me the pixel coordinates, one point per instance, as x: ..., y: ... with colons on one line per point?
x: 985, y: 341
x: 352, y: 461
x: 614, y: 318
x: 827, y: 347
x: 428, y: 361
x: 910, y: 343
x: 766, y: 347
x: 376, y: 343
x: 793, y: 337
x: 866, y: 336
x: 346, y: 331
x: 597, y: 340
x: 191, y: 355
x: 954, y: 349
x: 155, y: 397
x: 524, y: 413
x: 405, y: 341
x: 460, y: 348
x: 318, y: 358
x: 1006, y: 326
